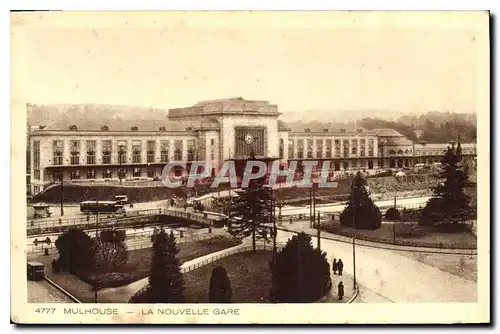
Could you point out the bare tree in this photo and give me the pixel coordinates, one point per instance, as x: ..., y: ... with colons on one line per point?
x: 110, y: 256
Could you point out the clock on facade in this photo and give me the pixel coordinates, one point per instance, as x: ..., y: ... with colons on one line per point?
x: 248, y: 138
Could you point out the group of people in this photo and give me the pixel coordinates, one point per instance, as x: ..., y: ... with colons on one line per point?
x: 337, y: 266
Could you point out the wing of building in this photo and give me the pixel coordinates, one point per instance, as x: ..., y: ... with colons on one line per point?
x: 82, y: 150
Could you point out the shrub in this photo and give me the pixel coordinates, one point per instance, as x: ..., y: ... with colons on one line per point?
x: 301, y: 273
x: 393, y: 214
x: 360, y: 209
x: 220, y: 286
x: 76, y: 251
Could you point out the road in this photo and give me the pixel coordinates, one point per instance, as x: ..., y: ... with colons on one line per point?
x: 43, y: 292
x: 397, y: 278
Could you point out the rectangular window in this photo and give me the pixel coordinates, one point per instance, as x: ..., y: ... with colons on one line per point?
x: 282, y: 148
x: 362, y: 147
x: 164, y: 150
x: 177, y: 171
x: 212, y: 142
x: 137, y: 152
x: 319, y: 148
x: 370, y: 147
x: 355, y: 147
x: 346, y: 148
x: 106, y: 151
x: 74, y: 146
x: 137, y: 172
x: 57, y: 152
x: 178, y: 150
x: 91, y: 174
x: 122, y: 152
x: 310, y: 144
x: 151, y: 174
x: 291, y: 148
x: 75, y: 174
x: 91, y: 148
x: 151, y: 149
x: 337, y: 148
x: 106, y: 174
x: 328, y: 148
x: 300, y: 148
x: 191, y: 150
x: 36, y: 160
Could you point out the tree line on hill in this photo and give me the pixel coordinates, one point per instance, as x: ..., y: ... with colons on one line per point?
x: 434, y: 127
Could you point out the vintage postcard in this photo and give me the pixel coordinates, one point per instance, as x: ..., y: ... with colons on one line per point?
x: 250, y: 167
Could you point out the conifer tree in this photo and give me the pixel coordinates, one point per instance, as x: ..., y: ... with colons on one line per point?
x: 360, y: 209
x: 301, y: 272
x: 449, y: 203
x: 165, y: 282
x: 220, y: 286
x: 250, y: 212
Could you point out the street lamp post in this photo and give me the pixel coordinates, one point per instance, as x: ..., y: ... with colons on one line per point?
x: 354, y: 246
x: 96, y: 287
x: 319, y: 230
x: 62, y: 194
x: 120, y: 161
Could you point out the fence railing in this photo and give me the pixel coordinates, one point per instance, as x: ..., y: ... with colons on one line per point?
x: 145, y: 236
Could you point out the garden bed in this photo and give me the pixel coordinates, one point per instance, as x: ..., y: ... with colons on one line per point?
x: 407, y: 235
x: 250, y: 276
x: 137, y: 267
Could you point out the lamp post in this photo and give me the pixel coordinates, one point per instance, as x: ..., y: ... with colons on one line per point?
x: 62, y: 194
x: 354, y: 246
x: 96, y: 287
x: 319, y: 230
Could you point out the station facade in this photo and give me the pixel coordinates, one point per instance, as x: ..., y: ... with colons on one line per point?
x: 212, y: 131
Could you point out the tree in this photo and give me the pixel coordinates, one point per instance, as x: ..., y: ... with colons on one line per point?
x: 76, y: 251
x: 110, y: 256
x: 220, y: 286
x: 392, y: 214
x: 360, y: 208
x: 301, y: 272
x: 250, y: 212
x: 449, y: 202
x: 165, y: 282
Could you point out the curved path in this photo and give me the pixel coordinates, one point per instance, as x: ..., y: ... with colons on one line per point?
x: 395, y: 277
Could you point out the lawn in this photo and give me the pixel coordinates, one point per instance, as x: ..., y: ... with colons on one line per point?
x: 249, y: 273
x: 408, y: 235
x: 137, y: 266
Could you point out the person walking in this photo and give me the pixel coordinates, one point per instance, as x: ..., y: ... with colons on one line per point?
x: 340, y: 289
x: 334, y: 266
x: 340, y: 266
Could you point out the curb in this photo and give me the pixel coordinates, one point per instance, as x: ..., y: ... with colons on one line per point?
x: 62, y: 290
x: 354, y: 296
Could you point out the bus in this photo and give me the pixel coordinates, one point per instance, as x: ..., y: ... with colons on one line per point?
x: 100, y: 206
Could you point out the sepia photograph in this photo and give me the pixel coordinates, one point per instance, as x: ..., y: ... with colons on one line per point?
x: 250, y: 167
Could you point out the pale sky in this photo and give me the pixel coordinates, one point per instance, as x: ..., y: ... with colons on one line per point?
x: 154, y: 61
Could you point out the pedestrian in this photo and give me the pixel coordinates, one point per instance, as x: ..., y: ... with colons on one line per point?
x: 341, y: 290
x: 334, y: 266
x: 340, y: 266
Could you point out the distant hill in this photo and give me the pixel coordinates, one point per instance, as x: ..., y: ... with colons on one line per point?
x: 433, y: 126
x: 81, y: 113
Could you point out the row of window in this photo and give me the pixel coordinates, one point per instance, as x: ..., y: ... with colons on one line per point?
x: 107, y: 149
x: 347, y: 147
